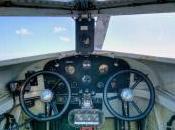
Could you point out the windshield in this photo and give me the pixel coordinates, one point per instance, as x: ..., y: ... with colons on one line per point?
x: 29, y: 36
x: 149, y: 34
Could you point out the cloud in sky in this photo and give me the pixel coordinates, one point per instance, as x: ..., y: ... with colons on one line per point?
x: 64, y: 39
x: 23, y: 32
x: 58, y: 29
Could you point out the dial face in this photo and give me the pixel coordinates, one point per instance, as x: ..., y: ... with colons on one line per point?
x: 86, y: 64
x: 70, y: 69
x: 100, y: 84
x: 114, y: 83
x: 86, y: 79
x: 103, y: 69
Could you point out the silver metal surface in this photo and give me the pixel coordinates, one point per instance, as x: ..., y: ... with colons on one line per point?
x: 101, y: 31
x: 127, y: 94
x: 46, y: 95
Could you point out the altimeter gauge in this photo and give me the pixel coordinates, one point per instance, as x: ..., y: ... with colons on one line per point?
x: 70, y: 69
x: 103, y: 69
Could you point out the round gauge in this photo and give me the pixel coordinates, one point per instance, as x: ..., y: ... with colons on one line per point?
x: 116, y: 64
x: 86, y: 79
x: 114, y: 83
x: 103, y: 68
x: 100, y: 85
x: 70, y: 69
x: 57, y: 65
x: 87, y: 64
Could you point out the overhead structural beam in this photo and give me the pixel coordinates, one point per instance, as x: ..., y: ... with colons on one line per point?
x: 15, y: 11
x: 52, y: 4
x: 35, y: 8
x: 55, y: 8
x: 140, y: 9
x: 100, y: 31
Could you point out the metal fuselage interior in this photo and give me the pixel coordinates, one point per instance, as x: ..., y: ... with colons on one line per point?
x: 83, y: 82
x: 86, y: 76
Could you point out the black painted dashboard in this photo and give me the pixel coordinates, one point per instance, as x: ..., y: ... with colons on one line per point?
x: 83, y: 81
x: 87, y: 73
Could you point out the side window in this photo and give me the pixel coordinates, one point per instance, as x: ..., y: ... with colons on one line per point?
x: 147, y: 34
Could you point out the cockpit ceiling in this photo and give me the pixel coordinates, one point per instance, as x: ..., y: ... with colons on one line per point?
x: 75, y: 7
x: 81, y: 4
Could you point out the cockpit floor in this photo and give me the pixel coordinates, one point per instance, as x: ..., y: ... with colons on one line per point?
x: 62, y: 124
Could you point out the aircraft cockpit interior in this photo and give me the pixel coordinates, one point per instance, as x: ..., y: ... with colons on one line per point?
x: 87, y: 88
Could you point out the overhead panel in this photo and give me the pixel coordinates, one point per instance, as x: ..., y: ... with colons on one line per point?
x: 129, y: 7
x: 74, y: 7
x: 36, y: 7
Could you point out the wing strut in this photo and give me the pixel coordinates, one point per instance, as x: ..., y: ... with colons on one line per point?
x: 100, y: 31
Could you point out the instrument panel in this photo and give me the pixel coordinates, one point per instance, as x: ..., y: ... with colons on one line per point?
x: 87, y: 73
x: 86, y: 89
x: 85, y: 83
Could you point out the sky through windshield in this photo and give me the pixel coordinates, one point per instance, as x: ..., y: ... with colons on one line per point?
x: 151, y: 34
x: 28, y: 36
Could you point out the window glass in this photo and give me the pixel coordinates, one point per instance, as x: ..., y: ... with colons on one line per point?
x: 29, y: 36
x: 148, y: 34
